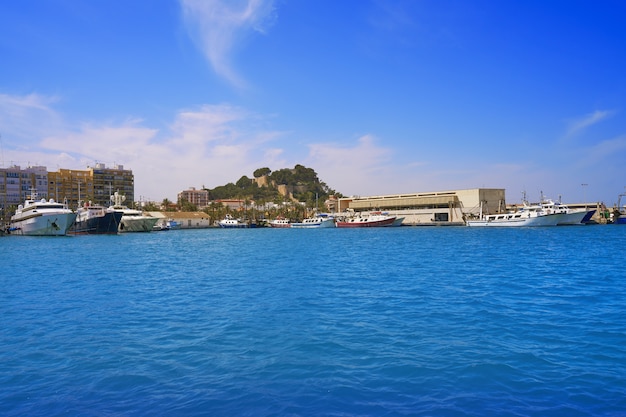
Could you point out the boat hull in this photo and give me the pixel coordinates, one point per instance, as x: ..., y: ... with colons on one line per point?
x: 108, y: 224
x: 545, y: 220
x: 233, y: 225
x: 280, y: 225
x: 321, y: 224
x: 366, y: 223
x: 620, y: 220
x: 576, y: 217
x: 54, y: 224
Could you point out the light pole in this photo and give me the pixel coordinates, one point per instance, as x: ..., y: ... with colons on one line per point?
x: 584, y: 193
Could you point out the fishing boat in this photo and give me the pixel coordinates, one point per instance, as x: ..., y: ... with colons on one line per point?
x: 41, y: 218
x: 619, y: 213
x: 231, y: 223
x: 96, y: 220
x: 529, y: 215
x: 571, y: 217
x: 132, y: 220
x: 373, y: 219
x: 280, y: 223
x: 319, y: 221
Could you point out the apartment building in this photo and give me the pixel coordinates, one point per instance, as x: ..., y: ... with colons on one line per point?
x: 199, y: 198
x: 17, y: 183
x: 95, y: 184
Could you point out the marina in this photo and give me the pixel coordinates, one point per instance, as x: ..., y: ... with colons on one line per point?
x: 265, y: 208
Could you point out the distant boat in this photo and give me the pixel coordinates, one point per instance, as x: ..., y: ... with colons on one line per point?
x: 374, y: 219
x: 164, y: 225
x: 132, y: 220
x: 529, y: 215
x: 280, y: 223
x: 96, y: 219
x: 619, y: 214
x: 41, y: 218
x: 230, y: 223
x: 398, y: 221
x: 173, y: 224
x: 161, y: 226
x: 319, y: 221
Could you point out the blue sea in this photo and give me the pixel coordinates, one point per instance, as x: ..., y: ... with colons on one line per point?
x: 408, y: 321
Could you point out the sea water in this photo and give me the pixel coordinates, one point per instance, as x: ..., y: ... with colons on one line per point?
x: 426, y: 321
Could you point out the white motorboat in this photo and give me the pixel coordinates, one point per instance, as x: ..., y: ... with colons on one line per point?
x: 41, y: 218
x: 373, y: 219
x: 319, y: 221
x: 231, y: 223
x: 528, y: 215
x: 280, y: 223
x: 571, y: 216
x: 132, y: 220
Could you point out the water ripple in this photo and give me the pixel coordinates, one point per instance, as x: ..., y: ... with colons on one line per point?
x: 402, y: 321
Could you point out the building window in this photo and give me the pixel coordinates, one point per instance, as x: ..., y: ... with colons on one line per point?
x: 441, y: 217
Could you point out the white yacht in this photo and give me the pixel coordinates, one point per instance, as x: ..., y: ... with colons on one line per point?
x: 528, y: 215
x: 319, y: 221
x: 132, y: 220
x: 571, y: 216
x: 41, y: 218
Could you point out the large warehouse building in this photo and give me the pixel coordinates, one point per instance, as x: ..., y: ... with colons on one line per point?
x: 430, y: 209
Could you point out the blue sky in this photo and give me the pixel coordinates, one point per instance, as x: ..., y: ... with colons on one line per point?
x: 379, y: 97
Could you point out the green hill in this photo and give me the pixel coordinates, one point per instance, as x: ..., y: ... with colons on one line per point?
x: 297, y: 184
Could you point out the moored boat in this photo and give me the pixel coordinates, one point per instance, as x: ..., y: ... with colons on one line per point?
x: 319, y: 221
x: 161, y: 226
x: 231, y: 223
x: 528, y: 216
x: 132, y: 220
x: 96, y: 220
x: 173, y: 224
x: 398, y: 221
x: 373, y: 219
x: 571, y: 217
x: 280, y: 223
x: 619, y: 213
x: 41, y: 218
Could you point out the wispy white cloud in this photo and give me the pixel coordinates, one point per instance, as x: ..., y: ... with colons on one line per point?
x: 210, y: 145
x: 605, y: 149
x: 210, y: 123
x: 218, y: 25
x: 105, y: 142
x: 390, y: 16
x: 358, y: 169
x: 28, y: 117
x: 580, y: 124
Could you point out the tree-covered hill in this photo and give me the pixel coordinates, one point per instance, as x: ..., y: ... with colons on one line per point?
x: 299, y: 184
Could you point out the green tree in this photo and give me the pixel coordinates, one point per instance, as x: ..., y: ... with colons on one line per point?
x: 186, y: 205
x: 261, y: 172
